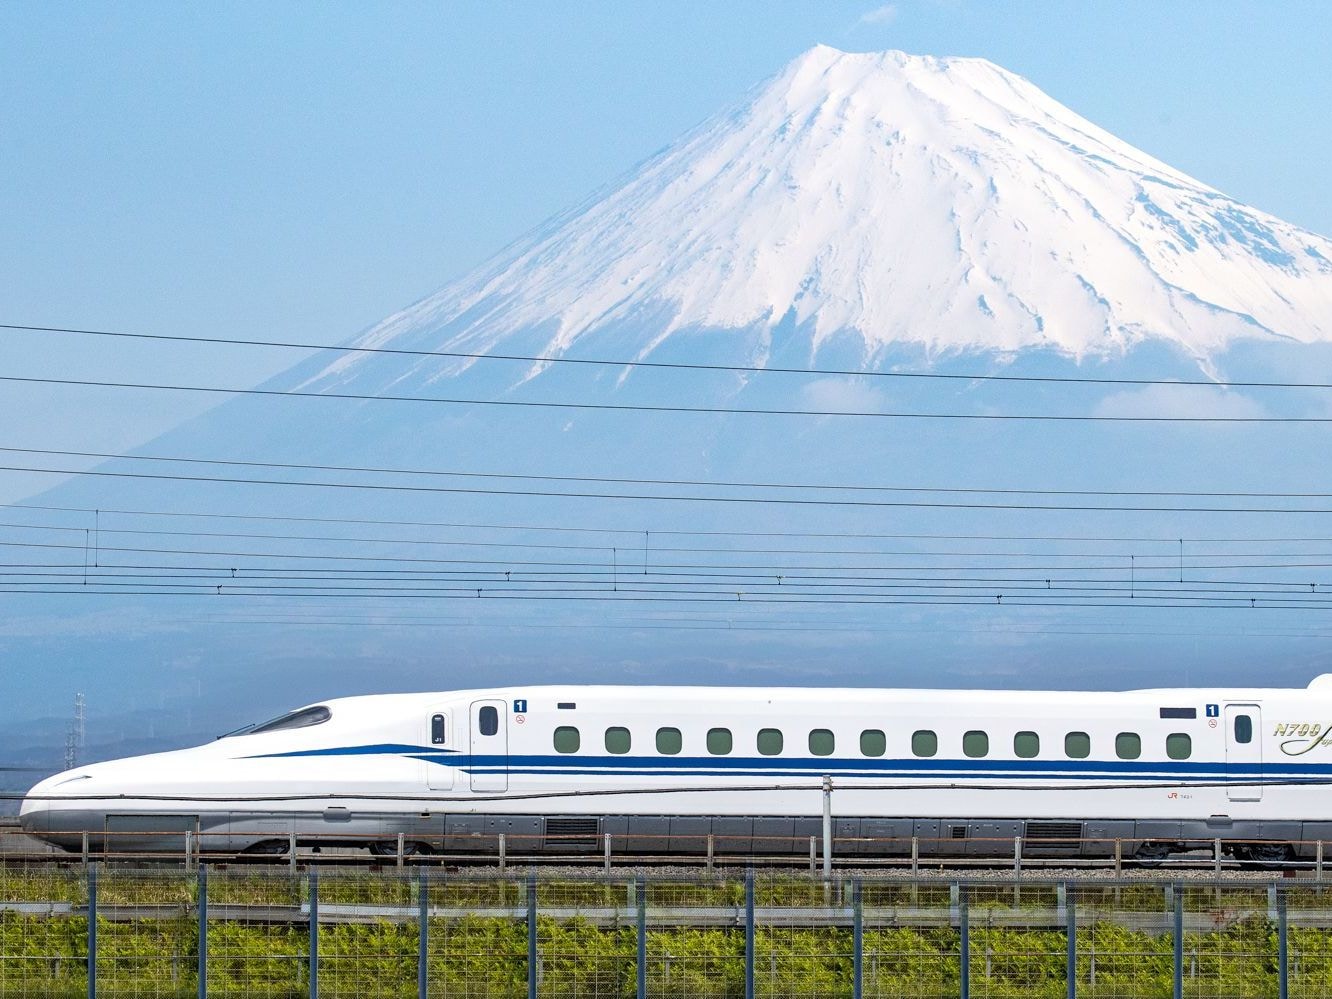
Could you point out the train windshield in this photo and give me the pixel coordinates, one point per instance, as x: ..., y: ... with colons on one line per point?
x: 301, y: 718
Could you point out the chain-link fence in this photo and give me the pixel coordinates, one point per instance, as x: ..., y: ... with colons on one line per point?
x: 274, y: 933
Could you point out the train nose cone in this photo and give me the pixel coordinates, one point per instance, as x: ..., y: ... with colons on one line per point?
x: 46, y: 812
x: 34, y: 812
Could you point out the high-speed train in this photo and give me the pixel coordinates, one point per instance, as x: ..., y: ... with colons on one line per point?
x: 662, y: 769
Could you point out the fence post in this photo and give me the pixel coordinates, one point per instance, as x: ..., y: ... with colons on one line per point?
x: 1071, y: 927
x: 1178, y: 895
x: 1283, y: 953
x: 314, y: 932
x: 203, y: 932
x: 964, y: 945
x: 857, y: 942
x: 749, y: 933
x: 92, y: 931
x: 423, y: 937
x: 827, y: 830
x: 531, y: 936
x: 641, y: 991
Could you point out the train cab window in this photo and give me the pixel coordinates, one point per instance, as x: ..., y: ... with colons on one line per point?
x: 618, y: 740
x: 1128, y: 745
x: 1179, y: 746
x: 1026, y: 745
x: 720, y: 742
x: 303, y: 718
x: 976, y: 744
x: 770, y: 741
x: 669, y: 741
x: 873, y: 742
x: 487, y: 720
x: 438, y: 730
x: 821, y: 742
x: 1077, y: 745
x: 567, y: 739
x: 924, y: 743
x: 1243, y: 728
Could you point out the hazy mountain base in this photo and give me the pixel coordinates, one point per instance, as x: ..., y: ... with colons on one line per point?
x: 170, y: 669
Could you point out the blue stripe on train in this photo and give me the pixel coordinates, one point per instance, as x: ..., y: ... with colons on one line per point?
x: 712, y: 766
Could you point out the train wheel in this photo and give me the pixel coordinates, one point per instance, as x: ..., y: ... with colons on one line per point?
x: 266, y: 848
x: 1152, y: 853
x: 1272, y: 856
x: 389, y: 848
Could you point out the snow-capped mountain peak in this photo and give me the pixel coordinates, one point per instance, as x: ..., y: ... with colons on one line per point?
x: 942, y: 204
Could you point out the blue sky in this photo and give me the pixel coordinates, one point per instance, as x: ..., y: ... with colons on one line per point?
x: 301, y: 171
x: 279, y: 168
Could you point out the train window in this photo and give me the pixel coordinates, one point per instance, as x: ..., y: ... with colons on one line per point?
x: 487, y: 720
x: 437, y: 730
x: 924, y: 743
x: 303, y: 718
x: 669, y: 741
x: 566, y: 739
x: 719, y: 741
x: 1077, y: 745
x: 770, y: 741
x: 873, y: 742
x: 1243, y: 728
x: 618, y: 740
x: 1026, y: 745
x: 1128, y: 745
x: 1179, y: 746
x: 976, y: 744
x: 821, y: 742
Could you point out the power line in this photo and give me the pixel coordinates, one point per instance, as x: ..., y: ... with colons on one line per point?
x: 783, y: 501
x: 654, y: 532
x: 645, y: 408
x: 669, y: 365
x: 622, y: 480
x: 999, y: 601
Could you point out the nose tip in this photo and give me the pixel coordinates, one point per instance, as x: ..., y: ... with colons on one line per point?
x: 34, y: 810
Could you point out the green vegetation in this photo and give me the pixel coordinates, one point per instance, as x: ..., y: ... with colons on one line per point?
x: 258, y: 940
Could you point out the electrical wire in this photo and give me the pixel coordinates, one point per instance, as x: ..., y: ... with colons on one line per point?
x: 706, y: 483
x: 659, y: 497
x: 653, y: 532
x: 646, y: 408
x: 667, y: 365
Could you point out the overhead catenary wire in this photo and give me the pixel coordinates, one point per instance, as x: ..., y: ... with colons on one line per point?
x: 639, y: 532
x: 665, y: 365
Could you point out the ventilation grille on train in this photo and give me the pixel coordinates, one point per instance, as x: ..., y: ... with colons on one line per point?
x: 959, y: 832
x: 572, y: 832
x: 1067, y: 833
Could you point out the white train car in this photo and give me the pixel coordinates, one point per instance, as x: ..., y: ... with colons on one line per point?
x: 556, y: 768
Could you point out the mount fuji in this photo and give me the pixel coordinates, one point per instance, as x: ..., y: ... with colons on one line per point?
x: 870, y: 213
x: 896, y: 201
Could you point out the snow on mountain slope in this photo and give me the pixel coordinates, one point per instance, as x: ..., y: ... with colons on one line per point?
x: 944, y: 204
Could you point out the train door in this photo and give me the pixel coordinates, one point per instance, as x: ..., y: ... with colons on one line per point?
x: 489, y: 741
x: 1244, y: 752
x: 440, y: 738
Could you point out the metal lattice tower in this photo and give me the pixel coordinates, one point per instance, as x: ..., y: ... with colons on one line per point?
x: 74, y: 737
